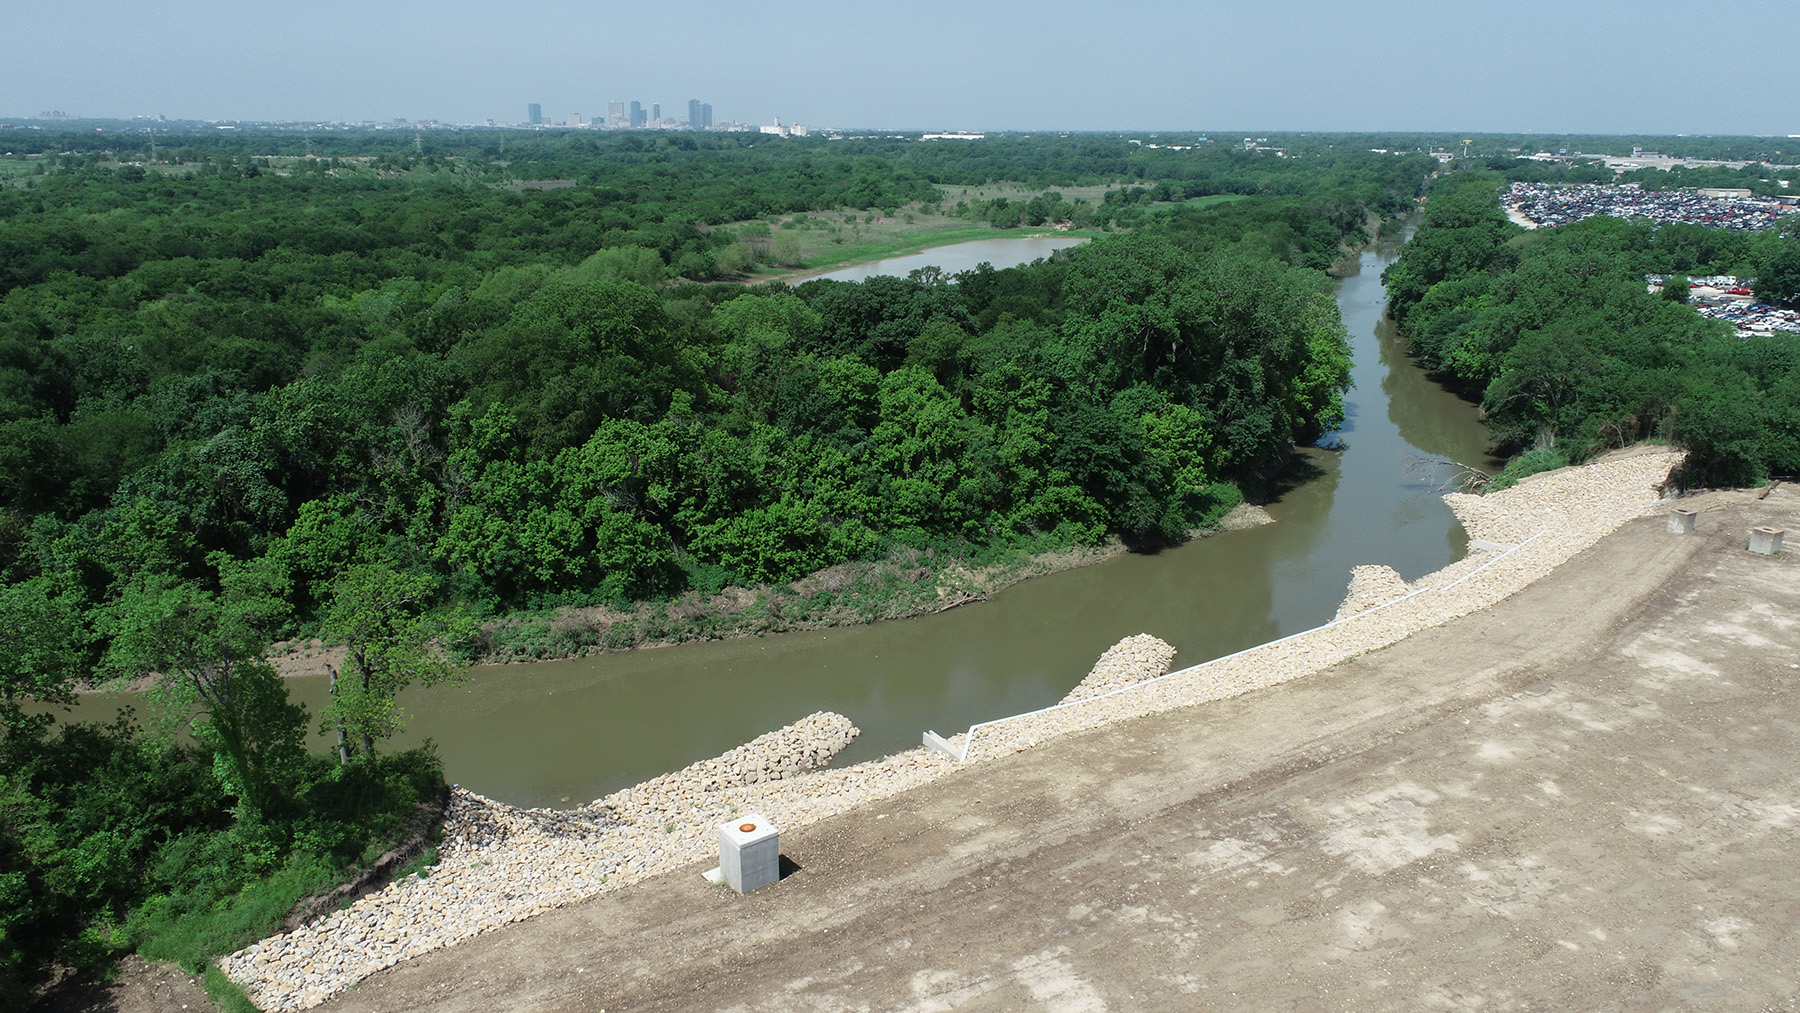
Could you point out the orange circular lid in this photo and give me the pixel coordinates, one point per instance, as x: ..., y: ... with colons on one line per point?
x: 746, y: 827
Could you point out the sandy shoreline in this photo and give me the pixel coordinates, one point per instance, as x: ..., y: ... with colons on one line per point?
x: 524, y: 862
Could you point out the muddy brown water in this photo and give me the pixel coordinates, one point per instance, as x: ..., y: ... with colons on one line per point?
x: 563, y: 733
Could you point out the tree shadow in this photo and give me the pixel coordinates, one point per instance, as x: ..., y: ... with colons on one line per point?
x: 1299, y: 470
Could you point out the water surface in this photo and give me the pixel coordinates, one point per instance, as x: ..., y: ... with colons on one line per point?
x: 958, y: 257
x: 560, y: 733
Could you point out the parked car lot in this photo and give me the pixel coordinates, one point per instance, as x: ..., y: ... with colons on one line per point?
x: 1549, y: 205
x: 1728, y: 298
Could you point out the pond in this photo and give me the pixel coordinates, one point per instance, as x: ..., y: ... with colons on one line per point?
x: 957, y: 257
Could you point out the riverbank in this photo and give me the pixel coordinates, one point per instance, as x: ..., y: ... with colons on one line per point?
x: 1578, y: 798
x: 544, y: 859
x: 908, y: 583
x: 824, y: 241
x: 868, y: 252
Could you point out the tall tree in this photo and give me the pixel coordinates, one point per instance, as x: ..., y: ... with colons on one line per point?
x: 1778, y: 277
x: 208, y: 651
x: 393, y: 639
x: 43, y: 648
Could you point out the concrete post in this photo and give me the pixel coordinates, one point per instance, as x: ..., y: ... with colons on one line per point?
x: 1766, y: 541
x: 1681, y: 522
x: 749, y: 853
x: 938, y: 743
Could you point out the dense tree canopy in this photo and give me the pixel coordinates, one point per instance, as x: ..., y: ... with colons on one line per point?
x: 1556, y: 330
x: 500, y: 387
x: 367, y: 394
x: 369, y: 385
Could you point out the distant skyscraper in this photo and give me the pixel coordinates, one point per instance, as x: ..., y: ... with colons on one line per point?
x: 615, y: 115
x: 694, y: 113
x: 534, y: 114
x: 706, y: 116
x: 656, y: 114
x: 637, y: 114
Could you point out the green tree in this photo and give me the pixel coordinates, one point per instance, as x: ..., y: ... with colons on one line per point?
x: 620, y: 263
x: 784, y: 250
x: 394, y: 639
x: 1778, y: 276
x: 733, y: 260
x: 43, y: 650
x: 208, y: 650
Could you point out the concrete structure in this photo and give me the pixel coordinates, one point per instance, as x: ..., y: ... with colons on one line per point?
x: 1766, y: 541
x: 938, y: 743
x: 574, y: 119
x: 749, y: 853
x: 1681, y: 522
x: 615, y: 114
x: 780, y: 129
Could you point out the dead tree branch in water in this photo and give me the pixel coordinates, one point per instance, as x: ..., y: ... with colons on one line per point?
x: 1446, y: 475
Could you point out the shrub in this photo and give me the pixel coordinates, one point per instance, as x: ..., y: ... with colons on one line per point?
x: 1527, y: 464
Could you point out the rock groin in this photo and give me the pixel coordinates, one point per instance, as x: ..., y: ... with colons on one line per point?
x: 1126, y: 663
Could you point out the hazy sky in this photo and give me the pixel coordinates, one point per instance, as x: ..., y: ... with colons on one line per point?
x: 1603, y: 66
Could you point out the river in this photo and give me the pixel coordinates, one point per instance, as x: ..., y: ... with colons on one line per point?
x: 562, y: 733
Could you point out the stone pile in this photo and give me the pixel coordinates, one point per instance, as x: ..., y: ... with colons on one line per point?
x: 807, y: 744
x: 501, y: 864
x: 1126, y: 663
x: 1542, y: 522
x: 1372, y: 586
x: 471, y: 821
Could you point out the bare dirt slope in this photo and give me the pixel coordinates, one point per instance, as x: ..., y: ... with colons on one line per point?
x: 139, y: 987
x: 1586, y: 797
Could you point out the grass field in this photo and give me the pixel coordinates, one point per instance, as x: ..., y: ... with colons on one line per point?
x: 1215, y: 199
x: 844, y: 237
x: 900, y: 243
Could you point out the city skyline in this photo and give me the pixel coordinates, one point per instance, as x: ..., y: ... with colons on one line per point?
x: 1587, y: 66
x: 628, y: 115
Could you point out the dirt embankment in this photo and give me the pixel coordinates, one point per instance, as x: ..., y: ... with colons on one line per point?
x: 634, y: 835
x: 1582, y: 796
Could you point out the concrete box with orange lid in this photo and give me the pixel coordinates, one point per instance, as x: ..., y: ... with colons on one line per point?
x: 749, y: 853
